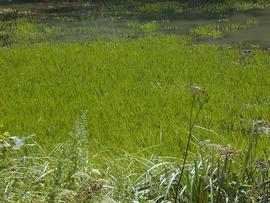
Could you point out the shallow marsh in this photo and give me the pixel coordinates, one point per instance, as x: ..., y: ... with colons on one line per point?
x: 134, y: 79
x: 64, y: 22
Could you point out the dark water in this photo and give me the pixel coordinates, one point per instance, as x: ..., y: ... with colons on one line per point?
x: 258, y: 34
x: 88, y: 21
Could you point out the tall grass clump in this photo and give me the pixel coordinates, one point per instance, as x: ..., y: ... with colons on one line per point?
x: 208, y: 171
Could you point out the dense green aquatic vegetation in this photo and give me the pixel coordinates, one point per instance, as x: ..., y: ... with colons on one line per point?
x: 134, y: 91
x: 25, y: 31
x: 158, y: 118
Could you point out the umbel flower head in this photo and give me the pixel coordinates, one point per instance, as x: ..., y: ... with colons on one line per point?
x: 195, y: 89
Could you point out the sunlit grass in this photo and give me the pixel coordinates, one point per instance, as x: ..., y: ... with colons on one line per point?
x: 134, y: 90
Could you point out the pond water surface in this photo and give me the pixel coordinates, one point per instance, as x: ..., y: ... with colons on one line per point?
x: 88, y: 21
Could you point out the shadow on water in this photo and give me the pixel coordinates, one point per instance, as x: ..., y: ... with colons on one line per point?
x: 257, y: 34
x: 84, y: 21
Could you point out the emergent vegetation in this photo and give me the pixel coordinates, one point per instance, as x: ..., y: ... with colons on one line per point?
x: 158, y: 117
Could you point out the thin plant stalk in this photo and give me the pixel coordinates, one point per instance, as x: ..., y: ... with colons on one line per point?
x: 191, y: 127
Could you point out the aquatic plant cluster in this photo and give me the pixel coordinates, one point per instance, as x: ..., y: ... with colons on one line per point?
x: 218, y: 30
x: 158, y: 117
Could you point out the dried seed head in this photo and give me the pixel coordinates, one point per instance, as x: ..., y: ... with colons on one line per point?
x: 90, y: 189
x: 195, y: 89
x: 228, y: 151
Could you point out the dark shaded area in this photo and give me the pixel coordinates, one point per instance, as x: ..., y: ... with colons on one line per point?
x: 128, y: 8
